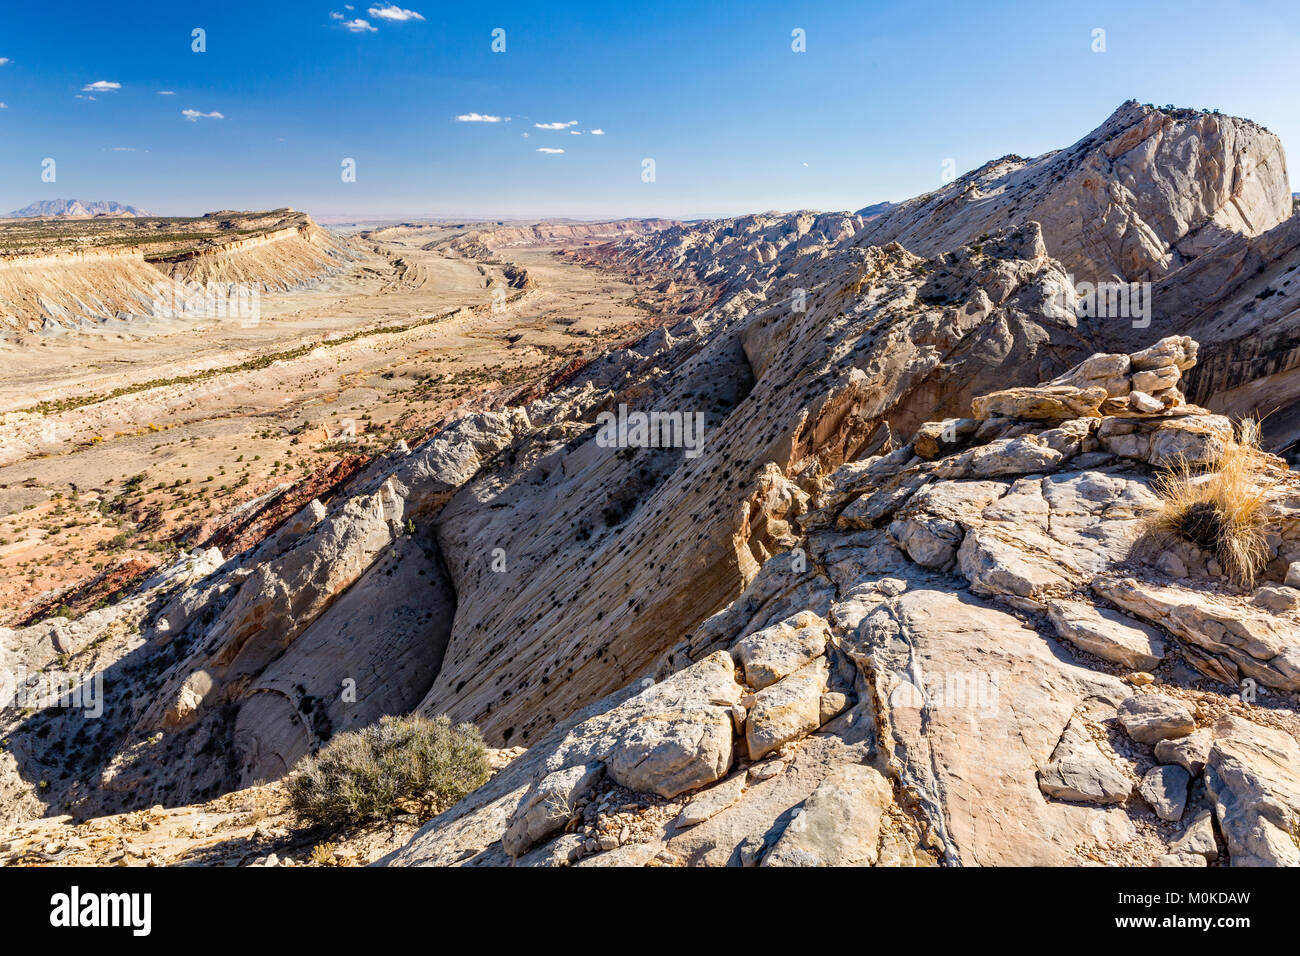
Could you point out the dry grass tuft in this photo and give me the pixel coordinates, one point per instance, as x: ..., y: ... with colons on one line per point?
x: 1221, y: 508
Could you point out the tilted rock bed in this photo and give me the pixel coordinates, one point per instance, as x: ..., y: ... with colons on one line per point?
x: 975, y: 663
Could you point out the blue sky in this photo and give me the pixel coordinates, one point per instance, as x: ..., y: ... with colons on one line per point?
x: 733, y: 118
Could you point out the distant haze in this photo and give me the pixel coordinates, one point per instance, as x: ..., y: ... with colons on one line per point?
x: 73, y: 208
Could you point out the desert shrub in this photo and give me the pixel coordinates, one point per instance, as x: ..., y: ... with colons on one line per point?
x: 1221, y: 509
x: 399, y: 765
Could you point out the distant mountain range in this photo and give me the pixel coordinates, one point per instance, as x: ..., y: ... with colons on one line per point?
x: 75, y: 208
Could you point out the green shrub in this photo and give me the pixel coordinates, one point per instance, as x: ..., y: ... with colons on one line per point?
x: 399, y: 765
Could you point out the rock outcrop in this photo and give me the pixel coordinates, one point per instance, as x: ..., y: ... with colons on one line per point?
x: 852, y: 565
x: 956, y: 629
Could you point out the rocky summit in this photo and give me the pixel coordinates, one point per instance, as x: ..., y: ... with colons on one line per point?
x: 941, y: 533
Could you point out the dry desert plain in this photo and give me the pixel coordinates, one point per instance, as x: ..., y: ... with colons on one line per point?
x: 120, y: 444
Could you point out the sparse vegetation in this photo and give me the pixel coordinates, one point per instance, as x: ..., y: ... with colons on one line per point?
x: 1220, y: 509
x: 399, y: 765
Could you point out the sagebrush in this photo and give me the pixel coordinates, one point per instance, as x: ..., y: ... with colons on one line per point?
x: 399, y: 765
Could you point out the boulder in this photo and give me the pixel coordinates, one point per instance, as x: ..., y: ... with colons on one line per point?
x: 839, y: 824
x: 676, y: 735
x: 1040, y: 403
x: 1187, y: 752
x: 1165, y: 789
x: 1108, y: 371
x: 1080, y: 772
x: 936, y: 439
x: 1198, y: 838
x: 787, y: 710
x: 1176, y: 350
x: 549, y: 806
x: 779, y: 650
x: 1151, y: 718
x: 1252, y: 774
x: 1107, y: 634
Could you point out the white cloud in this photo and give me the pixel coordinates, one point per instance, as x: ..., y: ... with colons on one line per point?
x: 547, y: 149
x: 166, y: 92
x: 101, y: 86
x: 575, y: 132
x: 80, y: 97
x: 597, y: 132
x: 4, y: 106
x: 556, y: 125
x: 124, y: 149
x: 393, y: 13
x: 3, y: 60
x: 194, y: 115
x: 478, y: 118
x: 359, y: 26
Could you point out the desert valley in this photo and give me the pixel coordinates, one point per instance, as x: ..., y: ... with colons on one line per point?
x: 988, y: 552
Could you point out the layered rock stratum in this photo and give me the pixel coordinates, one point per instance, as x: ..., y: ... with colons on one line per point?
x: 894, y: 604
x: 56, y: 275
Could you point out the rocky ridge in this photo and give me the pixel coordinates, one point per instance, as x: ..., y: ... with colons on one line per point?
x: 966, y: 622
x: 911, y: 533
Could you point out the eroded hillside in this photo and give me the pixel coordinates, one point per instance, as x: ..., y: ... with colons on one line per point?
x: 903, y: 577
x: 56, y: 273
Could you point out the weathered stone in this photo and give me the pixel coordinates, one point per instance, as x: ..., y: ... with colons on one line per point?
x: 709, y: 803
x: 1165, y: 441
x: 995, y: 567
x: 1106, y: 633
x: 1277, y: 599
x: 1253, y: 776
x: 1264, y: 645
x: 1187, y: 752
x: 1176, y: 350
x: 1041, y: 403
x: 1165, y: 789
x: 1108, y: 371
x: 832, y: 705
x: 973, y: 704
x: 549, y: 806
x: 787, y: 710
x: 1150, y: 718
x: 929, y: 528
x: 772, y: 653
x: 839, y: 825
x: 1155, y: 380
x: 1080, y: 772
x: 935, y: 439
x: 1144, y: 403
x: 1025, y: 455
x: 1198, y: 838
x: 676, y: 735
